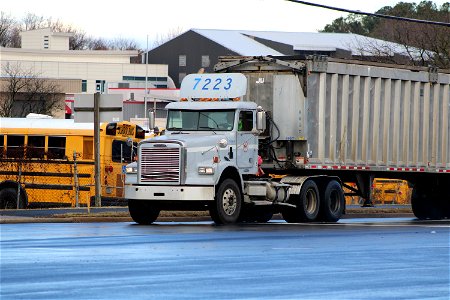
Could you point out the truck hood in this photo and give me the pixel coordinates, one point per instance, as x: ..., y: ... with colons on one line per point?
x: 192, y: 140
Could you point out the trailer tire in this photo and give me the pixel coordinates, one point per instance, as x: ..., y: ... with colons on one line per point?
x: 307, y: 202
x: 226, y: 208
x: 424, y: 206
x: 332, y: 203
x: 143, y: 212
x: 8, y: 198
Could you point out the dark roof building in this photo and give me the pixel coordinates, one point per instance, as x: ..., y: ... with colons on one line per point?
x: 200, y: 48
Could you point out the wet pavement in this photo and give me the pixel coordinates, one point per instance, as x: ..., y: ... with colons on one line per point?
x: 363, y: 258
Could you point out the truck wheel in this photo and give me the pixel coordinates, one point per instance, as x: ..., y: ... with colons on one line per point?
x: 309, y: 205
x: 228, y: 203
x: 332, y: 202
x: 8, y: 198
x: 142, y: 212
x: 307, y: 202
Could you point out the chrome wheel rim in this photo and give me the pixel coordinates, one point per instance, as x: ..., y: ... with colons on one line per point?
x: 229, y: 202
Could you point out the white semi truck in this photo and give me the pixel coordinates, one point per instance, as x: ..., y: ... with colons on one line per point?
x: 267, y: 135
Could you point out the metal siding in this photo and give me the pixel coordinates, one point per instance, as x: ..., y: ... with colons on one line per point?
x: 355, y: 118
x: 344, y: 138
x: 445, y: 162
x: 378, y: 120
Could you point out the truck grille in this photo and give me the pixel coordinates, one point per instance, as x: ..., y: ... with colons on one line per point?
x: 160, y: 164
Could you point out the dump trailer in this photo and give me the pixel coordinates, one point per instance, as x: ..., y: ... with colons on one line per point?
x: 265, y: 135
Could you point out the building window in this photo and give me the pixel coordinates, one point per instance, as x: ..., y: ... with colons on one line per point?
x: 84, y: 86
x: 182, y: 60
x: 205, y: 61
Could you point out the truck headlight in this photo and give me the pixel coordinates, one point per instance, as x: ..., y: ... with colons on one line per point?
x: 205, y: 170
x: 131, y: 170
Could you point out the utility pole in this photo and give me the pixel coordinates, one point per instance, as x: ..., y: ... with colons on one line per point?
x: 98, y: 202
x: 146, y: 81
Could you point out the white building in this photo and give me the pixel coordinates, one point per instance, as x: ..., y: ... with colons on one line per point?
x: 47, y: 53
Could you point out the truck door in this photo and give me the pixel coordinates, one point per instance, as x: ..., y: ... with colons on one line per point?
x: 247, y: 151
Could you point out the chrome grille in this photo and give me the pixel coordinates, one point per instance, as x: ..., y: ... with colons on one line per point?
x: 160, y: 164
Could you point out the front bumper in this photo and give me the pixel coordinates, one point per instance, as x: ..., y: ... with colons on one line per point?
x: 169, y: 193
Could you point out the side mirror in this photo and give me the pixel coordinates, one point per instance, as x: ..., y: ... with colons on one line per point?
x: 151, y: 119
x: 261, y: 120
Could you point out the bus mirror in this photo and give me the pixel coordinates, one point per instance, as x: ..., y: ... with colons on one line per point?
x: 261, y: 120
x: 151, y: 119
x: 129, y: 142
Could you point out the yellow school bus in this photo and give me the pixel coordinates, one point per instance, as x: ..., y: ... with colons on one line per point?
x: 50, y: 162
x: 391, y: 191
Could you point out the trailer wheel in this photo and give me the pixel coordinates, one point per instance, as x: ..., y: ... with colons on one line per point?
x: 8, y: 198
x: 425, y: 206
x: 332, y: 202
x: 307, y: 202
x: 227, y: 205
x: 143, y: 212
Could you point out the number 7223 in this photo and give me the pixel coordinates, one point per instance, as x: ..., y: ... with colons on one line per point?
x: 215, y: 85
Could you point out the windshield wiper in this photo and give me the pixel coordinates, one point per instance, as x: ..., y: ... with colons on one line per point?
x: 207, y: 127
x: 174, y: 128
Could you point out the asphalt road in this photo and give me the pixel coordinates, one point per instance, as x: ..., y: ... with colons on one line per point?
x: 388, y: 258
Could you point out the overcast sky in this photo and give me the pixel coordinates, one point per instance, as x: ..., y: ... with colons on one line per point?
x: 138, y: 19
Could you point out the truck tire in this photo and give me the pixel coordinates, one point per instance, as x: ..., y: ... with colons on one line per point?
x: 143, y: 212
x: 227, y: 205
x: 8, y: 198
x: 307, y: 202
x: 332, y: 203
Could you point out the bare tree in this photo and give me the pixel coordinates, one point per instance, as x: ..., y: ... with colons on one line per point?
x: 24, y: 91
x: 7, y: 25
x: 163, y: 38
x: 122, y: 44
x: 424, y: 44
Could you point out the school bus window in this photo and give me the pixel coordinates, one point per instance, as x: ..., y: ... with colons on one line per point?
x: 1, y: 145
x: 122, y: 152
x: 15, y: 145
x: 56, y: 147
x: 35, y: 146
x: 140, y: 132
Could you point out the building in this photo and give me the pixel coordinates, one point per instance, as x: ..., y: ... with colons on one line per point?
x: 47, y: 54
x: 200, y: 48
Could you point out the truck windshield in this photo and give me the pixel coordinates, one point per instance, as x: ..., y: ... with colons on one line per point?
x: 205, y: 120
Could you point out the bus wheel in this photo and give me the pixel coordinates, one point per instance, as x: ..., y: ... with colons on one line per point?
x: 8, y: 198
x: 226, y: 208
x: 332, y: 203
x: 142, y: 212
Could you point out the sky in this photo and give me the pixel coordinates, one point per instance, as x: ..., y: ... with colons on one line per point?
x: 140, y: 20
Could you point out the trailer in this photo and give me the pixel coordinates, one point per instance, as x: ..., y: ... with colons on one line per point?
x: 300, y: 129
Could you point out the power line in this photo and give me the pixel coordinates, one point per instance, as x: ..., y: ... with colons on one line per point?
x: 357, y: 12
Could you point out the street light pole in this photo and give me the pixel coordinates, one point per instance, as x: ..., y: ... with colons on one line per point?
x: 146, y: 81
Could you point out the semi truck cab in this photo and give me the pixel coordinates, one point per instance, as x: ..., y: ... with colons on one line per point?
x: 210, y: 143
